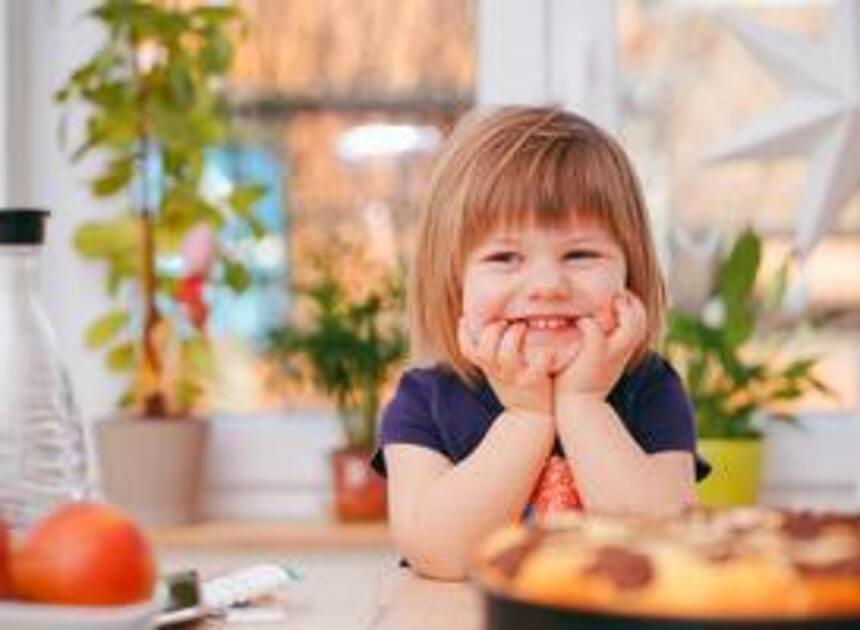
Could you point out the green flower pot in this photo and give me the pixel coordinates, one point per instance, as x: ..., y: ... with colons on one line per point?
x: 736, y: 473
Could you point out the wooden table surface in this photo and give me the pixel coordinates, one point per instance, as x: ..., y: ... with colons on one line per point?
x: 341, y: 590
x: 315, y: 535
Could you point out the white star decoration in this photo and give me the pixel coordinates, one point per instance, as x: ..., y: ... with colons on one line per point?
x: 819, y: 118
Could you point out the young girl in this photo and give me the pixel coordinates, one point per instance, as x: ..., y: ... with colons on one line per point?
x: 535, y: 296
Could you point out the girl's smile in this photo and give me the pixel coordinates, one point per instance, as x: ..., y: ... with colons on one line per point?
x: 546, y: 330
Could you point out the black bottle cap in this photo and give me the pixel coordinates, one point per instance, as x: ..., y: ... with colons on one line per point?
x: 22, y: 226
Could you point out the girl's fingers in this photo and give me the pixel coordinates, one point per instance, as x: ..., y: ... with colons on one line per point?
x: 632, y: 324
x: 607, y: 316
x: 483, y: 350
x: 509, y: 358
x: 593, y: 348
x: 488, y: 342
x: 538, y: 367
x: 563, y: 357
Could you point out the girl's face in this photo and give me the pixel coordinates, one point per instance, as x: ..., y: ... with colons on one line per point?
x: 548, y: 278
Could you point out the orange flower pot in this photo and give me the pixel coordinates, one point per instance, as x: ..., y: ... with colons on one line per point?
x: 359, y: 492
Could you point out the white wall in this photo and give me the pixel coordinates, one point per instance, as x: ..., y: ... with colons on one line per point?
x: 812, y: 464
x: 270, y: 466
x: 46, y: 40
x: 560, y: 52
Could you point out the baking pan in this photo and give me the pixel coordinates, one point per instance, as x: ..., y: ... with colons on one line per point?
x: 504, y: 613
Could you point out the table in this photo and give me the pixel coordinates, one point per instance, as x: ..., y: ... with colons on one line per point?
x: 276, y: 536
x: 344, y: 590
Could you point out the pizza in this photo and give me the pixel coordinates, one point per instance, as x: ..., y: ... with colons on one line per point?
x: 741, y: 563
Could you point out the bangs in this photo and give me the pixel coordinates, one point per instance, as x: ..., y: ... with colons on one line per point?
x: 548, y: 184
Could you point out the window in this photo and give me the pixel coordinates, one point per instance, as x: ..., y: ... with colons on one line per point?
x: 349, y: 100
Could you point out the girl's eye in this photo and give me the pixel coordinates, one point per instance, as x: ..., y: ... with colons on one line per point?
x: 501, y: 257
x: 580, y: 254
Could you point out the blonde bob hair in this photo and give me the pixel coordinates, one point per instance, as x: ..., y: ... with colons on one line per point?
x: 511, y: 167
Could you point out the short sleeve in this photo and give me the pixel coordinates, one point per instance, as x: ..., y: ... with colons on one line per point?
x: 407, y: 419
x: 664, y: 417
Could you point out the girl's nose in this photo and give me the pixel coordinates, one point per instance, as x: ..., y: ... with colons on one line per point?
x: 547, y: 281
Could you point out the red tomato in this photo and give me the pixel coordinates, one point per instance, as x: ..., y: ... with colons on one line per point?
x: 85, y: 554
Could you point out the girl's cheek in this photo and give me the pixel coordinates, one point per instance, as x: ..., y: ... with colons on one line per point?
x: 604, y: 286
x: 479, y: 310
x: 607, y: 282
x: 474, y: 325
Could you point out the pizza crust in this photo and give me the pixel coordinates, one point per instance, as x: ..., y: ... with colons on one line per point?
x: 731, y: 564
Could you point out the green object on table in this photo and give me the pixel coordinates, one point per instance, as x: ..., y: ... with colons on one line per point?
x: 736, y: 473
x: 183, y: 589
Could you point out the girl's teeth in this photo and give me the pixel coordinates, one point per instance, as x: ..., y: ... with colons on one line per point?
x: 547, y: 324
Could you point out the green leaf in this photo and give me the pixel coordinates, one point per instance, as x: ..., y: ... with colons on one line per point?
x: 782, y: 416
x: 99, y: 66
x: 105, y: 328
x: 112, y: 128
x: 683, y: 329
x: 739, y: 325
x: 800, y: 367
x: 116, y: 177
x: 258, y: 230
x: 116, y: 96
x: 119, y: 271
x: 243, y: 198
x: 126, y: 399
x: 789, y: 392
x: 776, y: 287
x: 106, y: 239
x: 181, y: 210
x: 173, y: 128
x: 181, y: 82
x: 121, y: 357
x: 236, y: 276
x: 215, y: 14
x: 197, y: 355
x: 143, y: 20
x: 737, y: 274
x: 187, y: 392
x: 733, y: 366
x: 217, y: 53
x: 821, y: 387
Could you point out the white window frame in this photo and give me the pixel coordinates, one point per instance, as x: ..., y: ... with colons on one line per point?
x: 17, y: 81
x: 5, y: 92
x: 559, y: 52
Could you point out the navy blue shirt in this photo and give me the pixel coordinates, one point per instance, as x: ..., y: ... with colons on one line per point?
x: 434, y: 408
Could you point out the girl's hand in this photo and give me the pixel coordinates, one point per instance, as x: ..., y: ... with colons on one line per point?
x: 523, y: 384
x: 602, y: 356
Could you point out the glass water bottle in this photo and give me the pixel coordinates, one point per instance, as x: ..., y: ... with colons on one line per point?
x: 43, y: 448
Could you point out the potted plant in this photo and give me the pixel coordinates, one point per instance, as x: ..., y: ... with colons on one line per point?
x: 347, y: 347
x: 731, y: 375
x: 152, y: 108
